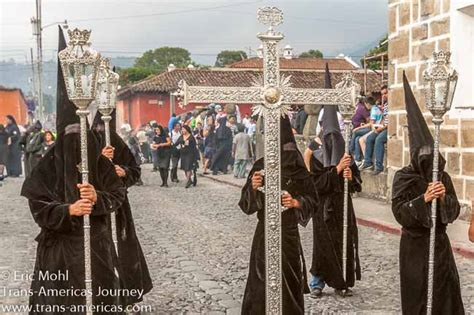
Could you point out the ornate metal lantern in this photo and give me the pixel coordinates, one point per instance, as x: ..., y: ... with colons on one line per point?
x: 442, y: 81
x: 107, y: 86
x: 80, y: 64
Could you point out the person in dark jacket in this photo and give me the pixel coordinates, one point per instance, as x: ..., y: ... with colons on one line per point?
x: 189, y: 153
x: 3, y: 150
x: 14, y: 168
x: 300, y: 200
x: 33, y: 148
x: 413, y: 192
x: 162, y: 144
x: 223, y: 154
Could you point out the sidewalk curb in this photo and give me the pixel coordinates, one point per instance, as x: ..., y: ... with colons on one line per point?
x: 372, y: 223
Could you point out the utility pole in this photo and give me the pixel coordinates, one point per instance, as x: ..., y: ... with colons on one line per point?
x: 37, y: 28
x: 33, y: 77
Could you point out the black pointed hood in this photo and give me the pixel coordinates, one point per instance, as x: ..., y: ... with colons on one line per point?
x: 333, y: 144
x: 418, y: 132
x: 292, y: 162
x: 420, y: 138
x: 65, y: 109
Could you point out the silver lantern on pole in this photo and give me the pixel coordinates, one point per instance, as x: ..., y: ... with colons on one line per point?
x: 441, y: 80
x: 347, y: 111
x: 80, y: 66
x: 107, y: 87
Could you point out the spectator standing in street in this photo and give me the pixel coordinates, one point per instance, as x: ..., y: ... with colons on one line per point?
x: 33, y: 148
x: 162, y: 145
x: 48, y: 142
x: 4, y: 138
x: 143, y: 142
x: 175, y: 135
x: 173, y: 120
x: 241, y: 152
x: 209, y: 146
x: 223, y: 154
x: 14, y: 168
x: 188, y: 153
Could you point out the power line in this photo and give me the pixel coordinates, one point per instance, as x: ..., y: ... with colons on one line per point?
x: 166, y: 13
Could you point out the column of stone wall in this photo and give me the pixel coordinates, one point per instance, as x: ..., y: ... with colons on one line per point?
x: 416, y: 29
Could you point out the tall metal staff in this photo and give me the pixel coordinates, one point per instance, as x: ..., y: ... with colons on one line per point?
x: 441, y: 80
x: 106, y: 95
x: 347, y: 111
x: 80, y: 65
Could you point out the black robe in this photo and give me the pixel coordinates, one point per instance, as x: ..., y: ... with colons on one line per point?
x: 328, y: 227
x: 133, y: 271
x: 411, y: 211
x: 293, y: 266
x: 50, y: 190
x: 14, y: 168
x: 33, y: 150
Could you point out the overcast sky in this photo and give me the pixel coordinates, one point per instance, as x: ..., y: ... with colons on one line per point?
x: 204, y: 27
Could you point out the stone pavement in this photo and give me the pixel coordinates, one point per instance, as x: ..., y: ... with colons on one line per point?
x: 378, y: 214
x: 197, y: 244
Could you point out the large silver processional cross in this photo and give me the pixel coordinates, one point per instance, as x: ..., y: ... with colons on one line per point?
x: 273, y: 100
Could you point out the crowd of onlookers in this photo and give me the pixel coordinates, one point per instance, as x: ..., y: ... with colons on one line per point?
x: 220, y: 140
x: 217, y: 138
x: 22, y: 143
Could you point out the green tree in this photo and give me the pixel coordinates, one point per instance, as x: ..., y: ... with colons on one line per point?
x: 380, y: 48
x: 227, y: 57
x: 312, y: 54
x: 133, y: 74
x: 157, y: 60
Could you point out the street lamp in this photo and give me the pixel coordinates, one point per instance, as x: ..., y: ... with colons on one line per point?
x: 80, y: 66
x: 441, y: 80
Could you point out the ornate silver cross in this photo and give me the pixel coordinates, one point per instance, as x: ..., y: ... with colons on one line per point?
x: 274, y: 96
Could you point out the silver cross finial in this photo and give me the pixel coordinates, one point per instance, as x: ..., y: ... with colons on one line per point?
x: 270, y: 16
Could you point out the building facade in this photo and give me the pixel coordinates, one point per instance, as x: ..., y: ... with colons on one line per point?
x: 417, y: 28
x: 12, y: 102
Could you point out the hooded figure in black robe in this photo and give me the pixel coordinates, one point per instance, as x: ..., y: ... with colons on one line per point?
x: 14, y: 148
x: 328, y: 216
x: 297, y: 182
x: 414, y: 214
x: 133, y: 269
x: 52, y: 189
x: 223, y: 154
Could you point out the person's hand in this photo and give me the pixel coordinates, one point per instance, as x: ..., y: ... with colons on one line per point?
x: 108, y: 152
x: 429, y: 194
x: 87, y: 191
x: 257, y: 180
x: 344, y: 163
x: 80, y: 208
x: 439, y: 190
x: 347, y: 173
x: 120, y: 171
x: 288, y: 202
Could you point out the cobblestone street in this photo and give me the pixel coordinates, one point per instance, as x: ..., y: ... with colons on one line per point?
x: 197, y: 244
